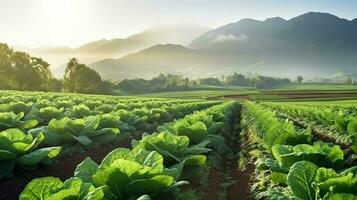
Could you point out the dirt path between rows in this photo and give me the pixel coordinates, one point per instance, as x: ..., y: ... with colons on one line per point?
x: 226, y: 180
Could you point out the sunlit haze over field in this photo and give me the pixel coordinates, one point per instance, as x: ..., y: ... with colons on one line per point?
x: 35, y: 23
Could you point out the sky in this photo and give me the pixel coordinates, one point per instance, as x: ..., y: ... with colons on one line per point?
x: 35, y: 23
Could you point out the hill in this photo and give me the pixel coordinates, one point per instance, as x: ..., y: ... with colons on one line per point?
x: 182, y: 34
x: 312, y: 44
x: 175, y: 59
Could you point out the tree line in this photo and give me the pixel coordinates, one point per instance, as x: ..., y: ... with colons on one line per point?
x: 20, y: 71
x: 170, y: 82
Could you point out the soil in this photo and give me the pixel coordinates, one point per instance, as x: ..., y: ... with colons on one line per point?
x: 215, y: 178
x: 63, y: 168
x: 241, y: 189
x: 227, y: 172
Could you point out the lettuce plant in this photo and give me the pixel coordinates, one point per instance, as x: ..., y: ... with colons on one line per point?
x: 319, y: 153
x: 12, y: 120
x: 308, y: 181
x: 80, y: 111
x: 44, y: 115
x: 17, y: 107
x: 17, y: 147
x: 67, y: 130
x: 128, y: 175
x: 175, y: 150
x: 50, y: 188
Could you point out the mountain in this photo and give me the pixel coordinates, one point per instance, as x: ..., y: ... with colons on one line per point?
x: 310, y: 44
x: 169, y: 58
x: 310, y: 32
x: 182, y: 34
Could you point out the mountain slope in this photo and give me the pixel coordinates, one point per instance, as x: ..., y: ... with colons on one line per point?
x: 166, y: 59
x: 181, y: 34
x: 311, y: 44
x: 307, y: 33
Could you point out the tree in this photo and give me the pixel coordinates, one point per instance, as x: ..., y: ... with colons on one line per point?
x: 210, y: 81
x: 237, y: 80
x: 20, y: 71
x: 349, y: 81
x: 55, y: 85
x: 80, y: 78
x: 300, y: 79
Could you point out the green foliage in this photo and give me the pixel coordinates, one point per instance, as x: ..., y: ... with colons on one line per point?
x: 20, y: 71
x: 17, y: 147
x: 300, y: 178
x: 320, y: 153
x: 310, y: 168
x: 50, y: 188
x: 274, y: 131
x: 44, y: 115
x: 82, y: 79
x: 12, y: 120
x: 67, y: 130
x: 144, y: 172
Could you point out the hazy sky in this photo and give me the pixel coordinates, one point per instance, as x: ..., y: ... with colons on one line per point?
x: 74, y: 22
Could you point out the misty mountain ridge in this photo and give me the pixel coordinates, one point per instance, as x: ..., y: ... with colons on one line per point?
x: 309, y: 44
x: 182, y: 34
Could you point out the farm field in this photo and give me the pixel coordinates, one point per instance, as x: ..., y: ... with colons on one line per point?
x: 291, y: 92
x: 178, y: 100
x: 205, y: 93
x: 57, y: 145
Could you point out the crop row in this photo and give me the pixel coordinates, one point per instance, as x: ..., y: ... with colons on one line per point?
x: 152, y: 169
x: 337, y: 124
x: 290, y: 164
x: 29, y: 140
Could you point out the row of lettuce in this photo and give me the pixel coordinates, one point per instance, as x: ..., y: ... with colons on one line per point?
x: 291, y: 165
x: 152, y: 169
x: 27, y: 142
x: 337, y: 123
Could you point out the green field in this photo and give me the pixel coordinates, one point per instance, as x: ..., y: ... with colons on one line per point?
x: 140, y: 147
x: 205, y: 92
x: 293, y: 92
x: 316, y: 87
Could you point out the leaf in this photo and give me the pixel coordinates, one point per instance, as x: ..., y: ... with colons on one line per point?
x: 70, y: 190
x: 39, y: 155
x: 270, y: 164
x: 343, y: 184
x: 149, y: 186
x: 114, y: 178
x: 352, y: 127
x: 278, y: 178
x: 83, y: 140
x: 119, y: 153
x: 300, y: 177
x: 343, y: 196
x: 6, y: 155
x: 323, y: 174
x: 86, y: 169
x: 41, y: 188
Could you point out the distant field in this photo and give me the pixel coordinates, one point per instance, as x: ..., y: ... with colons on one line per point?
x: 316, y: 87
x: 206, y: 92
x: 293, y: 92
